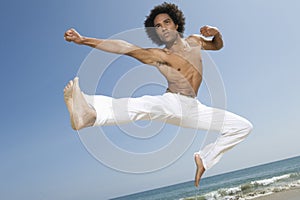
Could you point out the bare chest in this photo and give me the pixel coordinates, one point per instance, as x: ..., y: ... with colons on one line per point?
x: 185, y: 60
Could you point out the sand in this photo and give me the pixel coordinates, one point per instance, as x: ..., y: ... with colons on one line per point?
x: 292, y: 194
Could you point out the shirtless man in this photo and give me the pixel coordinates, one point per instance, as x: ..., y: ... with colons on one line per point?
x: 180, y: 63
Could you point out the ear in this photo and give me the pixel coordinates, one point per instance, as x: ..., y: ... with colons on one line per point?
x: 176, y: 26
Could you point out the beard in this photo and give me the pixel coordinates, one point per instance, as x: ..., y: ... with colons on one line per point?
x: 169, y: 36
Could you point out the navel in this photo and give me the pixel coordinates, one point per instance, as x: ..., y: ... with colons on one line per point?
x: 178, y: 69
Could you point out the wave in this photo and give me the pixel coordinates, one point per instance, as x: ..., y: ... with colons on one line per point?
x: 253, y: 189
x: 271, y: 180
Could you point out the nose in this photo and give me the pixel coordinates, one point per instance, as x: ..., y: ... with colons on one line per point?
x: 163, y: 27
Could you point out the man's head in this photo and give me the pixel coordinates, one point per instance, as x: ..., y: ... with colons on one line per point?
x: 158, y: 20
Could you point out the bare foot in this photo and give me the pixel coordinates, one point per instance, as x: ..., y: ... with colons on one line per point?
x: 81, y: 114
x: 200, y: 169
x: 68, y: 90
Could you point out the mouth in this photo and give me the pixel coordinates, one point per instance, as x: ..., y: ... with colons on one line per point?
x: 166, y: 34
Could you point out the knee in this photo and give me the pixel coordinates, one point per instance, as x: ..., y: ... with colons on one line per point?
x: 245, y: 126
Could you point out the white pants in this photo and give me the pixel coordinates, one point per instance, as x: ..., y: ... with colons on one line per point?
x: 178, y: 110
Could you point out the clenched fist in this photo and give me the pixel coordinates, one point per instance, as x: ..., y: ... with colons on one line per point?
x: 72, y: 35
x: 209, y: 31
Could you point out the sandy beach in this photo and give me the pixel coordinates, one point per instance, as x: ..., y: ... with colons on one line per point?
x: 292, y: 194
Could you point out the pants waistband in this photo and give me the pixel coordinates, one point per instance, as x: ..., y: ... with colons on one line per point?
x: 191, y: 96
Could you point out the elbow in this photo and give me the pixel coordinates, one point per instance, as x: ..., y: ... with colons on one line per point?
x: 217, y: 46
x: 220, y: 46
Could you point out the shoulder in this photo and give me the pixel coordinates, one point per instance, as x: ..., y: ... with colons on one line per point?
x: 147, y: 51
x: 150, y: 56
x: 195, y: 40
x: 155, y: 50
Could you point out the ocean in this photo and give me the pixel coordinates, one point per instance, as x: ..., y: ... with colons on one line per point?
x: 242, y: 184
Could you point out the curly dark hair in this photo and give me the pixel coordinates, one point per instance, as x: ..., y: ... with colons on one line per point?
x: 173, y: 11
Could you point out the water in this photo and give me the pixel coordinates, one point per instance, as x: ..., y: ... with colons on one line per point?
x: 238, y: 185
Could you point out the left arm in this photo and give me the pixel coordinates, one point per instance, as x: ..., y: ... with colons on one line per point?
x: 208, y: 31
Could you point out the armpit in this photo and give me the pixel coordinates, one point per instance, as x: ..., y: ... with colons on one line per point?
x: 160, y: 63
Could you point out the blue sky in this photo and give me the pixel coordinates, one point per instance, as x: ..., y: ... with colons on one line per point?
x: 43, y: 158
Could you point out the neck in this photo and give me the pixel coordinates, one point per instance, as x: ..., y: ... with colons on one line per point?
x: 177, y: 45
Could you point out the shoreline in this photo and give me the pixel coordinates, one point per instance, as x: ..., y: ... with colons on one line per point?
x: 288, y: 194
x: 291, y: 194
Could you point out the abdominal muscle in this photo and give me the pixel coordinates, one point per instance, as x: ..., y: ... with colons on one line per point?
x: 184, y: 79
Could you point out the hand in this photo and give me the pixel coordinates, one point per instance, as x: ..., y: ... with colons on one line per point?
x: 209, y: 31
x: 72, y: 35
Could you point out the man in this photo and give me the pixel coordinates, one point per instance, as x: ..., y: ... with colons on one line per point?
x: 180, y: 63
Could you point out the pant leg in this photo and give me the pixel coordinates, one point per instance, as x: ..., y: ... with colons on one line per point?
x: 112, y: 111
x: 233, y: 129
x: 177, y: 110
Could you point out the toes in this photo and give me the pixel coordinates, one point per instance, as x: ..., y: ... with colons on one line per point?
x: 197, y: 158
x: 70, y: 82
x: 75, y: 81
x: 68, y: 86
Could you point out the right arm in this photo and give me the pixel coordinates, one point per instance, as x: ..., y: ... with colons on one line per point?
x: 112, y: 46
x: 147, y: 56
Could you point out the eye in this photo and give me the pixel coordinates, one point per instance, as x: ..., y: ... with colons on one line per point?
x: 168, y: 21
x: 157, y: 26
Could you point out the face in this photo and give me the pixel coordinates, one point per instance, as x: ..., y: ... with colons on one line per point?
x: 165, y: 28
